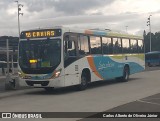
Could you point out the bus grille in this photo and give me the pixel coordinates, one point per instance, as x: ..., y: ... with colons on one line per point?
x: 31, y: 83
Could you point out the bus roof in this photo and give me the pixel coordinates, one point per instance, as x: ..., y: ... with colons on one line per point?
x: 111, y: 33
x: 97, y: 32
x: 105, y: 32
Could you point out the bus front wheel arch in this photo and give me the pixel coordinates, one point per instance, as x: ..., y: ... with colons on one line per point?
x: 85, y: 79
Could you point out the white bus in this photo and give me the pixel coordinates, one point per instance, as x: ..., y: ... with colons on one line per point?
x: 60, y: 57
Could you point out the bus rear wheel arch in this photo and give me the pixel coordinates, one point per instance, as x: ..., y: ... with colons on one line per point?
x: 126, y: 73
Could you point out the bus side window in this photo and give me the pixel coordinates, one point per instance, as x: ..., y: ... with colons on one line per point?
x: 140, y: 46
x: 95, y: 44
x: 126, y: 45
x: 83, y: 45
x: 107, y: 45
x: 117, y: 48
x: 133, y: 44
x: 69, y: 48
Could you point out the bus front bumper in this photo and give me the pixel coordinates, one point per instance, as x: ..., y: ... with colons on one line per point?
x: 58, y: 82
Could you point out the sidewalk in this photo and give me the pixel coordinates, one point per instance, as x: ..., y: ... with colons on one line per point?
x: 2, y: 86
x: 2, y: 82
x: 7, y: 93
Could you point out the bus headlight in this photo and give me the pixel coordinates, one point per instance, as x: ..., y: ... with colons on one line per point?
x: 20, y: 74
x: 23, y: 76
x: 56, y: 73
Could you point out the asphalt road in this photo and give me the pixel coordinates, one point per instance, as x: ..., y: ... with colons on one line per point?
x: 100, y: 96
x: 154, y: 68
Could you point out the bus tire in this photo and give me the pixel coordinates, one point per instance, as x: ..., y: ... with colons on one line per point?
x: 84, y: 83
x: 49, y: 89
x: 125, y: 76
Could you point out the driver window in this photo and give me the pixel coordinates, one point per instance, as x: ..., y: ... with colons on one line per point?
x: 69, y: 48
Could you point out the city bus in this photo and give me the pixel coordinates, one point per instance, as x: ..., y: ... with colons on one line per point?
x: 60, y: 57
x: 152, y: 58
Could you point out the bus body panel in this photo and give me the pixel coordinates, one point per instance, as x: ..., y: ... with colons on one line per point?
x: 71, y: 74
x: 109, y: 67
x: 102, y: 67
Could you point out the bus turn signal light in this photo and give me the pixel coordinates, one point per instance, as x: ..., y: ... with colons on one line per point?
x: 33, y: 61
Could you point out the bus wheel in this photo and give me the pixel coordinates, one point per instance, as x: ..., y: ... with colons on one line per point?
x: 125, y: 76
x: 84, y: 82
x: 49, y: 89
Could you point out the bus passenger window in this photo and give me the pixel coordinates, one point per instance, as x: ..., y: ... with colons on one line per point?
x: 140, y: 46
x: 133, y: 44
x: 117, y: 48
x: 107, y: 45
x: 83, y: 45
x: 126, y: 47
x: 95, y: 45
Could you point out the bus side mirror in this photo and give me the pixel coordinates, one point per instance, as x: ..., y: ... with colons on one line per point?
x: 69, y: 44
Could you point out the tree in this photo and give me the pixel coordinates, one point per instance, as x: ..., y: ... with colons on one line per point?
x: 155, y: 40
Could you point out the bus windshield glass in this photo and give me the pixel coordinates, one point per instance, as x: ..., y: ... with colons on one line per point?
x: 39, y: 56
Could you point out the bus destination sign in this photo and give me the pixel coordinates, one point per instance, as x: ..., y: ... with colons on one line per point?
x: 41, y: 33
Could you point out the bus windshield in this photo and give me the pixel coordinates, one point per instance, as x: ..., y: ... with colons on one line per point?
x: 39, y: 56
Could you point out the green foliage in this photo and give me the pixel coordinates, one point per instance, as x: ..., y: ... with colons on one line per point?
x: 155, y: 40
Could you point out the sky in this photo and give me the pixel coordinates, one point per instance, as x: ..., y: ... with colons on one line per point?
x: 123, y: 15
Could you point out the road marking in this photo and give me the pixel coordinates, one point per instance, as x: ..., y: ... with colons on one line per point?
x: 148, y: 102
